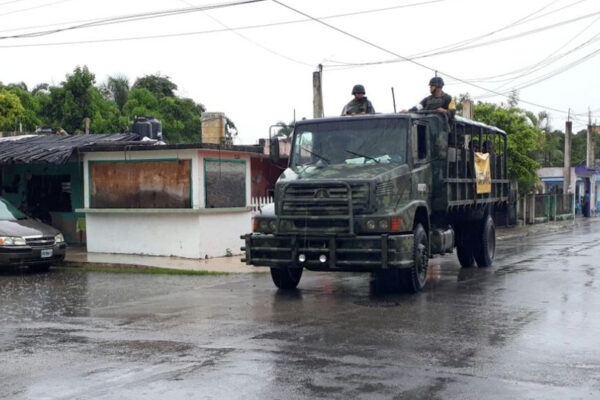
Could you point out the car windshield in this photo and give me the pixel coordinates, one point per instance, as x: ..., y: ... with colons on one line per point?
x: 350, y: 141
x: 8, y: 212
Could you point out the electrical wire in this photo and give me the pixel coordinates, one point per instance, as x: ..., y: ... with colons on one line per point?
x: 246, y: 38
x: 193, y: 33
x: 469, y: 47
x: 11, y: 2
x: 371, y: 44
x: 361, y: 12
x: 32, y: 8
x: 130, y: 18
x: 488, y: 34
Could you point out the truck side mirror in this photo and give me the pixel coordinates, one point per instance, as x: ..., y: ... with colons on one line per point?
x: 274, y: 150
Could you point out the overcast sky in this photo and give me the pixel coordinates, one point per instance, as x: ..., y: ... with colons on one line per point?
x: 262, y: 74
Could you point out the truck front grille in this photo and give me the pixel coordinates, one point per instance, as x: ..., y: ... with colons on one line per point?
x: 321, y: 207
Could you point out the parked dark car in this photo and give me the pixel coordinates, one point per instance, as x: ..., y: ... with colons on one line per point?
x: 27, y: 242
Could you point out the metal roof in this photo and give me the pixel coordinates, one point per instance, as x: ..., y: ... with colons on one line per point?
x: 53, y: 149
x: 401, y: 115
x: 144, y: 146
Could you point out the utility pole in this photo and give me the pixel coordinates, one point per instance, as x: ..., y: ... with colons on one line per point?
x: 318, y: 93
x: 590, y: 142
x: 86, y: 122
x: 567, y: 158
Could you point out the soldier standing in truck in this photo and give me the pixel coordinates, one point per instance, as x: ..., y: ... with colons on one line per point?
x: 438, y: 101
x: 359, y: 104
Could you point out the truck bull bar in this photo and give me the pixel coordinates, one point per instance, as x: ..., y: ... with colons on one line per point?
x: 329, y: 253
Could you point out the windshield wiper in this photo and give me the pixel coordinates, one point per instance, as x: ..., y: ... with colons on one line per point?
x: 315, y: 154
x: 362, y: 155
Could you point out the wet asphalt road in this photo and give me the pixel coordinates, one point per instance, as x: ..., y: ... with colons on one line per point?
x: 527, y: 328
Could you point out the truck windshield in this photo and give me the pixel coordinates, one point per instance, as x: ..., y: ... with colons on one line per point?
x: 350, y: 141
x: 8, y: 212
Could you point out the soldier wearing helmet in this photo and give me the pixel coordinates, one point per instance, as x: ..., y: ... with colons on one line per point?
x: 438, y: 100
x: 359, y: 104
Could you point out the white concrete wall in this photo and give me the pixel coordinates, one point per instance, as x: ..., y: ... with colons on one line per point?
x: 219, y: 232
x: 164, y: 234
x: 152, y: 234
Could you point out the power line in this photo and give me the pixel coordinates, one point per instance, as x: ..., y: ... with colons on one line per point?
x: 130, y: 18
x: 545, y: 62
x: 11, y: 2
x: 31, y: 8
x: 193, y: 33
x: 361, y: 12
x: 550, y: 74
x: 402, y: 57
x: 473, y: 46
x: 246, y: 38
x: 476, y: 38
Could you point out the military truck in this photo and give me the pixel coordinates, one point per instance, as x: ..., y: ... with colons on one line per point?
x: 382, y: 194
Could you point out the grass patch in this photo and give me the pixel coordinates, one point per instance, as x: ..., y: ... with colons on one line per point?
x: 140, y: 270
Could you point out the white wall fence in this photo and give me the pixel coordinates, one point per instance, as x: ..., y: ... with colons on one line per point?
x: 258, y: 202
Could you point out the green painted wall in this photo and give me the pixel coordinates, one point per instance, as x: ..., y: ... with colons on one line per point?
x: 65, y: 221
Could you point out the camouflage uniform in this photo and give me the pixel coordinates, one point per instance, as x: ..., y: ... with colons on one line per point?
x: 432, y: 103
x: 358, y: 106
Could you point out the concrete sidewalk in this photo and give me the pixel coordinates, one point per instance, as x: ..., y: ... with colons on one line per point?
x: 78, y: 256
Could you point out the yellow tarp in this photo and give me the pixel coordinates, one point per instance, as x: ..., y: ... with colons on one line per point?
x: 482, y: 173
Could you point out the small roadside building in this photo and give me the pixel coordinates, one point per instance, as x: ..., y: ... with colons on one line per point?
x: 43, y: 176
x: 186, y: 200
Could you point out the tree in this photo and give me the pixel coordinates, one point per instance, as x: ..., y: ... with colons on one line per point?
x: 284, y: 130
x: 118, y: 88
x: 523, y: 141
x: 550, y: 154
x: 160, y: 86
x: 29, y: 119
x: 11, y: 110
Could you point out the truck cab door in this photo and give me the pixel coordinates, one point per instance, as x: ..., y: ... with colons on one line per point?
x: 421, y: 158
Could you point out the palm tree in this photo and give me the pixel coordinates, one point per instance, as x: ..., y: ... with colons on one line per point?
x: 550, y: 146
x: 118, y: 87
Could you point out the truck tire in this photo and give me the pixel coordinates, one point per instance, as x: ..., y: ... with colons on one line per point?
x: 385, y: 281
x: 464, y: 247
x: 414, y: 279
x: 464, y: 253
x: 286, y: 278
x: 485, y: 245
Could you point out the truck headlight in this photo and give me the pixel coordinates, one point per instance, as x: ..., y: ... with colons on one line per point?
x: 264, y: 225
x: 12, y: 241
x: 59, y: 238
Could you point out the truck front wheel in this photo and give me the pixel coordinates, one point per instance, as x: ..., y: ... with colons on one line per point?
x: 414, y: 279
x: 286, y: 278
x: 485, y: 247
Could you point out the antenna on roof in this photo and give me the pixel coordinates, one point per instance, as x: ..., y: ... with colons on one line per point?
x: 394, y: 99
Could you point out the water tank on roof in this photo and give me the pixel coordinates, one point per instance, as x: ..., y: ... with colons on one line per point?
x: 147, y: 127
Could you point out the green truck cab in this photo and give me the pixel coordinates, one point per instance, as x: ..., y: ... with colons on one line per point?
x: 382, y: 194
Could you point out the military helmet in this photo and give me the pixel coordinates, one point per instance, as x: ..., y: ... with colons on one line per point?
x: 358, y: 89
x: 436, y: 81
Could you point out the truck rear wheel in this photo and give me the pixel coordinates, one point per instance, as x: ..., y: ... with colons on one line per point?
x: 485, y: 245
x: 286, y: 278
x: 414, y: 279
x: 465, y: 255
